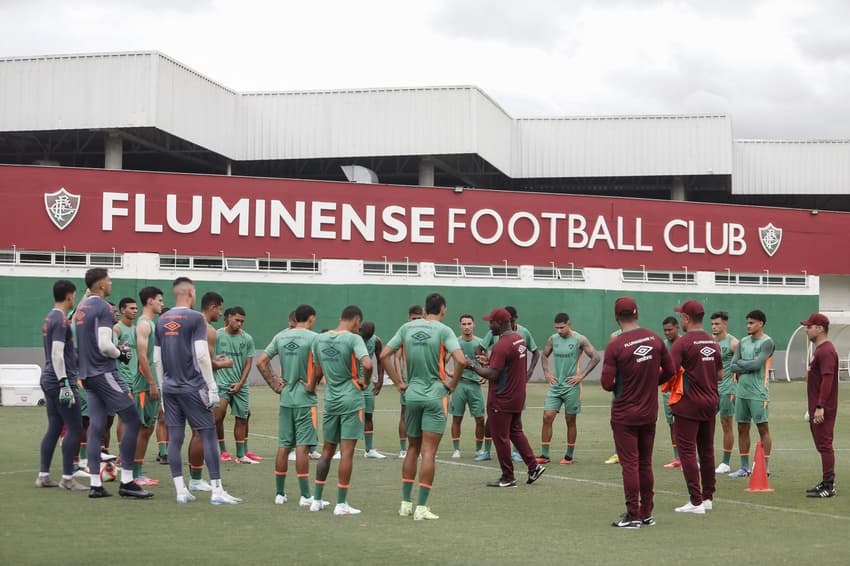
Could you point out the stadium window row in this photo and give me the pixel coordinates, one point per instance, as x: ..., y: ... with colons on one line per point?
x: 61, y: 259
x: 219, y: 263
x: 476, y: 271
x: 644, y: 276
x: 760, y: 279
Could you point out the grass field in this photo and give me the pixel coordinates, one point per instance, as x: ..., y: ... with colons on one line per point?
x: 564, y: 517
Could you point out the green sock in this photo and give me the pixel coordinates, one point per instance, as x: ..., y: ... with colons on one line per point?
x: 424, y: 492
x: 137, y: 470
x: 83, y: 451
x: 304, y: 486
x: 402, y: 442
x: 745, y: 461
x: 341, y: 494
x: 246, y: 445
x: 478, y: 443
x: 407, y: 490
x: 487, y: 443
x: 318, y: 489
x: 368, y: 435
x: 675, y: 452
x: 280, y: 482
x: 221, y: 446
x: 727, y: 456
x: 456, y: 443
x: 570, y: 448
x: 240, y: 449
x: 546, y: 450
x: 196, y: 473
x: 163, y: 449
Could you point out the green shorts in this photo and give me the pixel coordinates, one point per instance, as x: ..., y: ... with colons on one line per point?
x: 747, y: 410
x: 426, y: 416
x: 569, y: 398
x: 297, y: 427
x: 668, y: 410
x: 342, y: 427
x: 83, y: 399
x: 147, y: 407
x: 369, y: 400
x: 467, y: 393
x: 239, y: 405
x: 726, y: 405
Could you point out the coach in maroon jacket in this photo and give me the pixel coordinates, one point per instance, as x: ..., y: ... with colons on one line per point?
x: 694, y: 404
x: 636, y: 363
x: 823, y: 400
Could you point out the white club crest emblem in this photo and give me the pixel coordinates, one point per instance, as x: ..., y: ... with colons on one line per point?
x: 770, y: 237
x: 61, y: 207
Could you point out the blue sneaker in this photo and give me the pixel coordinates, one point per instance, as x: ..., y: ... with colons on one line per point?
x: 516, y: 457
x: 742, y: 472
x: 482, y: 456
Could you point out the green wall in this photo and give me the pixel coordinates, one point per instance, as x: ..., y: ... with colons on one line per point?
x: 25, y: 301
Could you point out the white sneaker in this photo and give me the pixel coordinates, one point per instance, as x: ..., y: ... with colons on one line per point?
x: 185, y: 497
x: 199, y: 485
x: 722, y: 469
x: 456, y: 454
x: 107, y: 457
x: 224, y: 498
x: 691, y: 508
x: 280, y: 499
x: 307, y: 501
x: 345, y: 509
x: 708, y: 504
x: 406, y: 509
x: 375, y: 454
x: 245, y: 460
x: 315, y: 455
x: 315, y: 505
x: 337, y: 456
x: 80, y: 473
x: 83, y: 464
x: 402, y: 454
x: 423, y: 513
x: 292, y: 456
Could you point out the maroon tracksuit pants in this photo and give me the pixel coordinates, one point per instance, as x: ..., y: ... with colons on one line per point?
x: 634, y: 448
x: 506, y: 428
x: 822, y: 435
x: 692, y: 438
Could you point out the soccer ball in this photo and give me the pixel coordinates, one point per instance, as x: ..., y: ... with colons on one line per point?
x: 107, y: 471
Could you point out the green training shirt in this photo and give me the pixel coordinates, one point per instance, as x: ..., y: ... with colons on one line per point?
x: 338, y: 354
x: 751, y: 362
x: 468, y: 348
x: 727, y: 384
x: 294, y: 346
x: 427, y: 344
x: 238, y: 348
x: 140, y: 384
x: 129, y: 370
x: 567, y: 354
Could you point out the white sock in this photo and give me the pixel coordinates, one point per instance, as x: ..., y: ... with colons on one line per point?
x: 179, y: 484
x: 126, y: 475
x: 43, y: 474
x: 216, y: 484
x: 65, y: 477
x: 94, y: 480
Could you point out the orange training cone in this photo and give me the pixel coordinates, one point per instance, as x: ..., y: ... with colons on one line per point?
x: 758, y: 479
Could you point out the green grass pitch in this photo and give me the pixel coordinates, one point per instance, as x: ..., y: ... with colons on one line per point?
x: 564, y: 517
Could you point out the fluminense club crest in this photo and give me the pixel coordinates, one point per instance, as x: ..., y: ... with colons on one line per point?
x: 61, y: 207
x: 770, y: 237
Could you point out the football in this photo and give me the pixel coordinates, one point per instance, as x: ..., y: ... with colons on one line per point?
x: 107, y: 471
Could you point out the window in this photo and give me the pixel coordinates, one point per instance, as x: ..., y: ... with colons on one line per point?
x: 253, y: 264
x: 640, y: 276
x: 390, y: 268
x: 60, y: 259
x: 448, y: 270
x: 477, y: 271
x: 726, y: 278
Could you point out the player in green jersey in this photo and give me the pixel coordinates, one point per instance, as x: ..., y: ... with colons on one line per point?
x: 751, y: 362
x: 726, y: 388
x: 670, y: 326
x: 415, y: 312
x: 125, y: 334
x: 373, y: 386
x: 468, y: 391
x: 298, y: 408
x: 427, y: 344
x: 237, y: 345
x: 565, y: 382
x: 144, y: 386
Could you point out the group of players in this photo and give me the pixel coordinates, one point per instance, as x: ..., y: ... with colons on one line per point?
x: 179, y: 369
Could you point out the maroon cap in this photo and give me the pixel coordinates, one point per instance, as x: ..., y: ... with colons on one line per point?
x: 816, y: 319
x: 626, y: 306
x: 499, y: 315
x: 691, y: 308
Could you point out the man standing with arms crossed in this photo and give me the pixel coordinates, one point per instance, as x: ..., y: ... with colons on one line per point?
x: 636, y: 363
x: 822, y: 392
x: 507, y: 369
x: 234, y: 343
x: 468, y: 391
x: 565, y: 382
x: 145, y: 389
x: 427, y: 343
x: 105, y: 390
x: 751, y: 362
x: 726, y: 388
x: 298, y: 407
x: 695, y: 405
x: 182, y: 359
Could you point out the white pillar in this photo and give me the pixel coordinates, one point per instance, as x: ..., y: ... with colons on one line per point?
x: 426, y: 172
x: 114, y: 150
x: 229, y: 170
x: 677, y: 192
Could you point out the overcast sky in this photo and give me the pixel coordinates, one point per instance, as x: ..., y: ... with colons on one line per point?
x: 781, y: 69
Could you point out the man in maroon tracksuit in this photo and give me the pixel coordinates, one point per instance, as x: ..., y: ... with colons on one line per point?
x: 636, y: 363
x: 823, y: 400
x: 698, y: 354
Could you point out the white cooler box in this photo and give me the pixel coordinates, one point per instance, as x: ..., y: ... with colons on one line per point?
x: 19, y: 385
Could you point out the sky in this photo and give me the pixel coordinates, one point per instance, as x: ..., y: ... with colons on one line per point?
x: 780, y: 69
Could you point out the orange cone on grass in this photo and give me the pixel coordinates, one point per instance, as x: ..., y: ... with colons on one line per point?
x: 758, y: 478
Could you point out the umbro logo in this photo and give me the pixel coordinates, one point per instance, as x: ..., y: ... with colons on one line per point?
x: 707, y: 351
x: 420, y: 336
x: 642, y: 350
x: 172, y: 325
x: 291, y: 346
x: 330, y: 352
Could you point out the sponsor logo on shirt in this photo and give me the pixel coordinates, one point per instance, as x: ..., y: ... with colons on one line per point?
x: 643, y: 353
x: 708, y: 354
x: 172, y: 326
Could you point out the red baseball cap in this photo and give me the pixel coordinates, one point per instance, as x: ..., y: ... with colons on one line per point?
x: 499, y: 315
x: 626, y: 306
x: 691, y: 308
x: 816, y: 319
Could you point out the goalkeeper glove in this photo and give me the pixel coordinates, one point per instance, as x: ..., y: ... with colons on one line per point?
x: 126, y: 354
x: 213, y: 399
x: 66, y: 394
